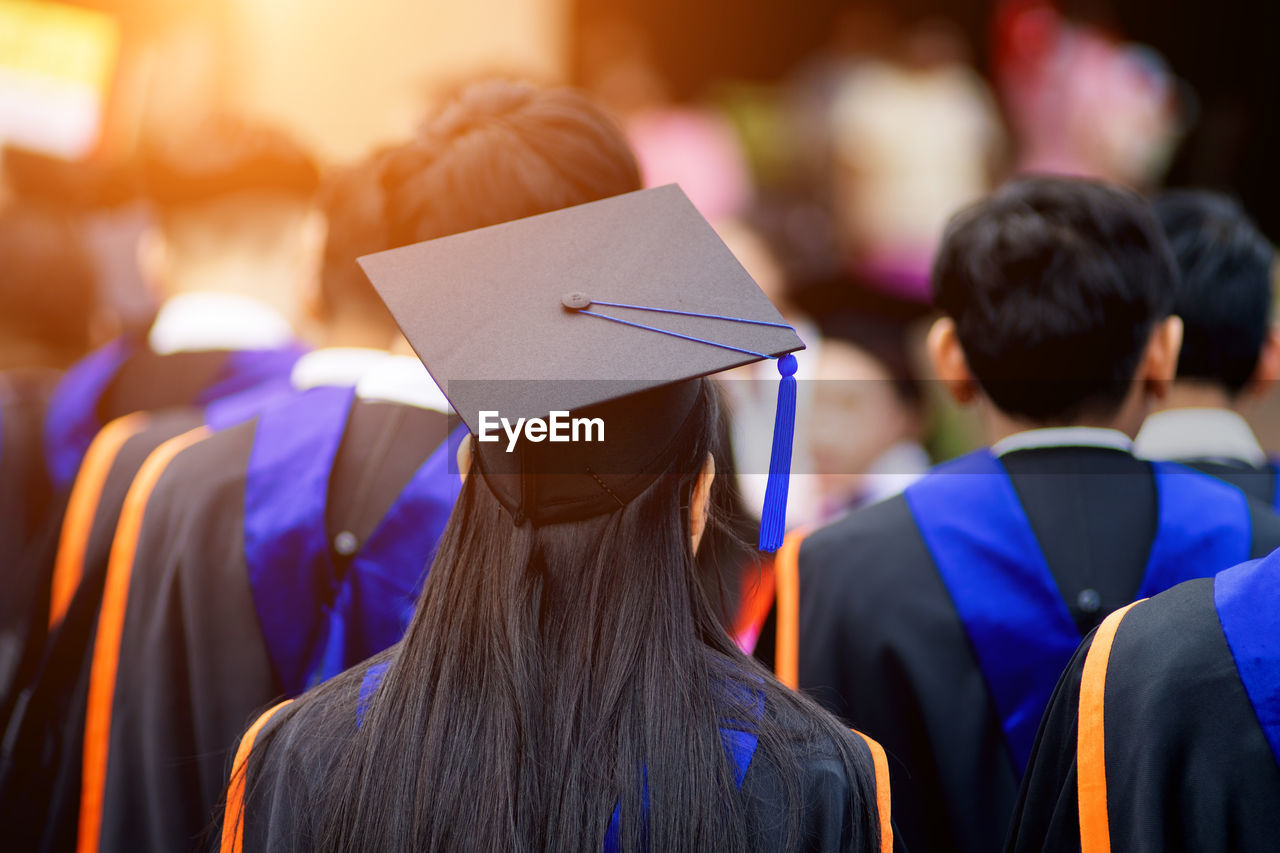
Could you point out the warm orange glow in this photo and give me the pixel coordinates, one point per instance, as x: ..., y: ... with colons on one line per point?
x: 56, y: 65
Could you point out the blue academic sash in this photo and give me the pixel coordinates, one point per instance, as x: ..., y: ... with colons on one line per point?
x: 1247, y: 598
x: 72, y: 419
x: 1018, y: 626
x: 739, y: 737
x: 314, y: 623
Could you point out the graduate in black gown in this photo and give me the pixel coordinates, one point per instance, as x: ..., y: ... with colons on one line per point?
x: 1164, y: 732
x: 1230, y: 346
x: 48, y: 307
x: 233, y: 242
x: 280, y: 552
x: 938, y: 621
x: 348, y: 445
x: 230, y: 250
x: 566, y: 683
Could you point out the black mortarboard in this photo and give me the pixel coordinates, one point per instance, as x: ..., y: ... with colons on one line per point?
x: 609, y: 309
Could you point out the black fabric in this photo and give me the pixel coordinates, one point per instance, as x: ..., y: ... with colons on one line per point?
x: 40, y: 762
x: 1188, y: 767
x: 148, y: 382
x: 194, y: 668
x: 882, y: 647
x: 26, y: 499
x: 294, y: 756
x: 1258, y: 482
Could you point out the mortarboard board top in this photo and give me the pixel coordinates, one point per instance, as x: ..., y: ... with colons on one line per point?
x: 607, y: 307
x: 488, y: 306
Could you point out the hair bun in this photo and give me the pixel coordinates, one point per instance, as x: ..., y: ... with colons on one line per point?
x: 476, y: 106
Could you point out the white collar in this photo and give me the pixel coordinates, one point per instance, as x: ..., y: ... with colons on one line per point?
x: 402, y: 379
x: 1199, y: 435
x: 334, y: 367
x: 194, y: 322
x: 891, y: 472
x: 1034, y: 439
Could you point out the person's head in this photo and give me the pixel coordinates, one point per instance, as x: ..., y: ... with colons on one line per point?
x: 1224, y: 294
x: 343, y: 304
x: 233, y: 207
x: 1057, y: 296
x: 498, y: 151
x: 48, y: 289
x: 566, y: 640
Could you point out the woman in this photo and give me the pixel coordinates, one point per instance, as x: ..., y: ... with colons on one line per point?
x: 566, y: 683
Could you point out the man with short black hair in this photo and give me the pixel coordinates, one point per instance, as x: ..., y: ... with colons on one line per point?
x: 938, y: 621
x: 235, y: 241
x: 1230, y: 346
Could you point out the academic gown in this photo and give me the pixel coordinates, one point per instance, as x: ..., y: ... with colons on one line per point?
x: 130, y: 388
x: 25, y: 499
x: 1257, y: 481
x: 288, y: 756
x: 938, y: 621
x: 126, y: 376
x: 40, y: 751
x: 1188, y: 684
x: 270, y: 557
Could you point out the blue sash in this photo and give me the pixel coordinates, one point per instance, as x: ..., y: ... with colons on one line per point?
x: 1247, y: 598
x: 245, y: 370
x: 314, y: 623
x: 739, y: 738
x: 71, y: 421
x: 1020, y: 629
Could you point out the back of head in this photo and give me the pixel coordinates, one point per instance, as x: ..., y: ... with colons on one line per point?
x: 1226, y: 269
x: 1055, y: 286
x: 499, y: 151
x: 48, y: 285
x: 229, y: 187
x: 352, y: 203
x: 504, y: 151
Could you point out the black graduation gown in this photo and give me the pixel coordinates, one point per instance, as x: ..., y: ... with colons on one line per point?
x: 1188, y: 753
x: 1257, y: 481
x: 883, y: 645
x: 40, y: 755
x: 25, y: 499
x: 120, y: 379
x: 290, y: 757
x: 239, y: 592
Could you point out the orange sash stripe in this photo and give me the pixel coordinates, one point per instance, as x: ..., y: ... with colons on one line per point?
x: 786, y: 664
x: 106, y: 647
x: 233, y: 815
x: 884, y: 795
x: 757, y: 599
x: 1091, y: 755
x: 77, y: 524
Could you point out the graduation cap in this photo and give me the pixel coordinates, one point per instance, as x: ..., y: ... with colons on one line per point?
x: 612, y: 310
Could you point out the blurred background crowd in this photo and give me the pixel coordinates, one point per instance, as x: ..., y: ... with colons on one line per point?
x: 828, y: 141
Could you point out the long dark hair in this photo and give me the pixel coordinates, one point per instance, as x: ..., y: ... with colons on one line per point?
x: 555, y: 672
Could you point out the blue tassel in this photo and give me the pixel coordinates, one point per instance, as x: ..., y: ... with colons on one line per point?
x: 773, y: 518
